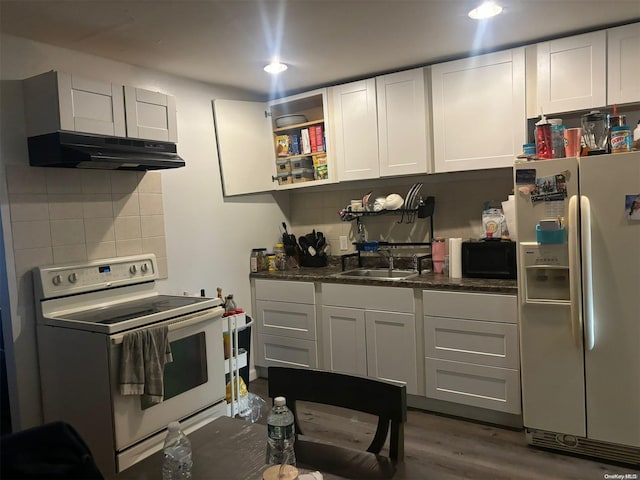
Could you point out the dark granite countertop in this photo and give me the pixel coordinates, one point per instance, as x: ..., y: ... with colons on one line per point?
x: 427, y: 280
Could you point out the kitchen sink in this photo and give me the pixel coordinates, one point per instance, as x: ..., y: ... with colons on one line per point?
x: 378, y: 274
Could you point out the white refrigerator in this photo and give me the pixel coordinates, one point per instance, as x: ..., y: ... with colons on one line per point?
x: 579, y: 303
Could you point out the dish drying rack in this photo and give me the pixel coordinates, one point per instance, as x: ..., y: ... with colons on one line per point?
x: 424, y: 209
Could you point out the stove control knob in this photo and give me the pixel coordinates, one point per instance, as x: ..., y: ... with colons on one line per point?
x: 133, y: 269
x: 73, y: 278
x: 144, y: 268
x: 57, y: 280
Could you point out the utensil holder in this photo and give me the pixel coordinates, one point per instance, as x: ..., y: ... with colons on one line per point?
x: 313, y: 261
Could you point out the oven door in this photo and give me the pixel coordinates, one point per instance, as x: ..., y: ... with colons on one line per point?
x: 192, y: 382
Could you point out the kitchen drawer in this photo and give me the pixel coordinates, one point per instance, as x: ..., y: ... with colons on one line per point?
x: 475, y: 385
x: 471, y: 306
x: 389, y: 299
x: 470, y: 341
x: 286, y: 352
x: 294, y: 320
x: 285, y: 291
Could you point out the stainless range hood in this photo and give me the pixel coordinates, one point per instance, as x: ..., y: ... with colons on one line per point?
x: 79, y: 150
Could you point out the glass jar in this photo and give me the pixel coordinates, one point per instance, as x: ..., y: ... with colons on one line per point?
x: 256, y: 260
x: 271, y: 262
x: 281, y: 257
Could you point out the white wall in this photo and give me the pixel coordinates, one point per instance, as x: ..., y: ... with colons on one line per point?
x: 208, y: 237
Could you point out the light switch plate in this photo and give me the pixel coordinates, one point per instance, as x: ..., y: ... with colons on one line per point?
x: 343, y: 243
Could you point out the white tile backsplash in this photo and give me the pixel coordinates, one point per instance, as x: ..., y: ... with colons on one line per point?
x: 150, y: 182
x: 31, y: 234
x: 96, y: 251
x: 129, y: 247
x: 98, y: 230
x: 152, y: 225
x: 29, y: 258
x: 68, y: 215
x: 163, y: 267
x: 99, y: 205
x: 67, y: 232
x: 156, y: 245
x: 126, y: 204
x: 70, y: 253
x: 23, y: 179
x: 128, y: 228
x: 124, y: 182
x: 29, y: 207
x: 151, y: 204
x: 63, y: 180
x: 96, y: 181
x: 65, y: 206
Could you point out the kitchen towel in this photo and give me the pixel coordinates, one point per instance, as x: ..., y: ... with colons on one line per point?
x: 455, y: 257
x: 144, y: 355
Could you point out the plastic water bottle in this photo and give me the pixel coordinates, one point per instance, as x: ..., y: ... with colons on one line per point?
x: 281, y: 433
x: 176, y: 462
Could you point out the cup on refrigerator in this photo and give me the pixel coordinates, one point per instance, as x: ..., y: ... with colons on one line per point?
x: 572, y: 142
x: 557, y: 139
x: 544, y: 142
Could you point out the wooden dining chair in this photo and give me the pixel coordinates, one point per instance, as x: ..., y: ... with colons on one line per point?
x: 386, y: 400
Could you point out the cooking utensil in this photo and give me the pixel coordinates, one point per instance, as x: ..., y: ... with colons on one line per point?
x: 288, y: 239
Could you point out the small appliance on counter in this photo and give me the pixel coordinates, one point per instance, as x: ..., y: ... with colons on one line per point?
x: 489, y: 258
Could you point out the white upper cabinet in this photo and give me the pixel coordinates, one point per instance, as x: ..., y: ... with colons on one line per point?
x: 278, y: 145
x: 571, y: 73
x: 479, y: 118
x: 60, y: 101
x: 403, y: 123
x: 381, y: 126
x: 355, y: 129
x: 150, y: 115
x: 623, y: 82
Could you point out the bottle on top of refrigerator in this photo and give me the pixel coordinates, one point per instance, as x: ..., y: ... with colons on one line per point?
x: 176, y: 461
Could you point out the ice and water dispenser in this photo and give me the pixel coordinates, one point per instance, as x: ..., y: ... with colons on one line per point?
x: 546, y: 271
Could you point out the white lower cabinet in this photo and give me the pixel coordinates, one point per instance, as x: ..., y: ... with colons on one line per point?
x: 472, y: 349
x: 370, y: 331
x: 286, y: 324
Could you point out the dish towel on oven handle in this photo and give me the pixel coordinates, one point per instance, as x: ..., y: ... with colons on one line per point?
x: 143, y: 357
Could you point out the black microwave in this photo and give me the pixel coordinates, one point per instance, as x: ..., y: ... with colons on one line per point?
x: 489, y: 259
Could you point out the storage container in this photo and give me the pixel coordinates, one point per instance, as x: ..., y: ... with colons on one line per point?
x: 621, y: 139
x: 301, y: 162
x: 302, y: 175
x: 283, y: 166
x: 285, y: 178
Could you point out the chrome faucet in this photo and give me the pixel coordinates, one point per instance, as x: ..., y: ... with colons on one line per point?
x: 389, y: 257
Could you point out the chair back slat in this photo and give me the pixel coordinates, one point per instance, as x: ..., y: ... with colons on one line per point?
x: 386, y: 400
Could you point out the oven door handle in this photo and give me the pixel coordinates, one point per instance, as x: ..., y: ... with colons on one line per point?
x: 175, y: 323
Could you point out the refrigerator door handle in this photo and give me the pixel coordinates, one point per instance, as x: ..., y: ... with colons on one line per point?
x: 574, y: 269
x: 587, y: 273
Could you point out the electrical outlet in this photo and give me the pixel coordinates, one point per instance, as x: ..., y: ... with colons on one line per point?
x: 343, y: 243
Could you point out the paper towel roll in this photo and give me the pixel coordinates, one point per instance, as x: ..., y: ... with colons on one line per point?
x: 455, y: 257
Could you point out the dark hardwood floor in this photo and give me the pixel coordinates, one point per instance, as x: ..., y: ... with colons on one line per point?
x: 446, y: 448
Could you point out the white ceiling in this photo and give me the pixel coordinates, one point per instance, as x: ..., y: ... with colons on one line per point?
x: 324, y: 41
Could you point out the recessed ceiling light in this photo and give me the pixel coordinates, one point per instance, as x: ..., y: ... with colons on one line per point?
x: 486, y: 10
x: 275, y: 67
